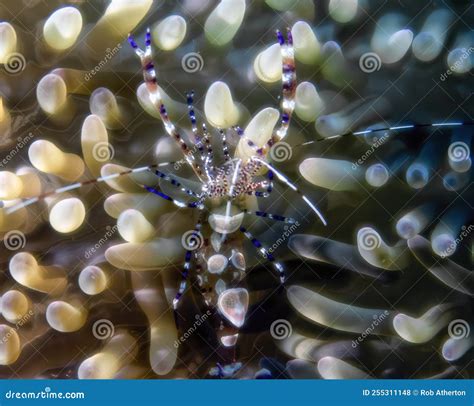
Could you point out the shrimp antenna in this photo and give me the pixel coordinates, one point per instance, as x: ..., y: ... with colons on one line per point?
x: 395, y: 128
x: 100, y: 179
x: 282, y: 178
x: 149, y: 76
